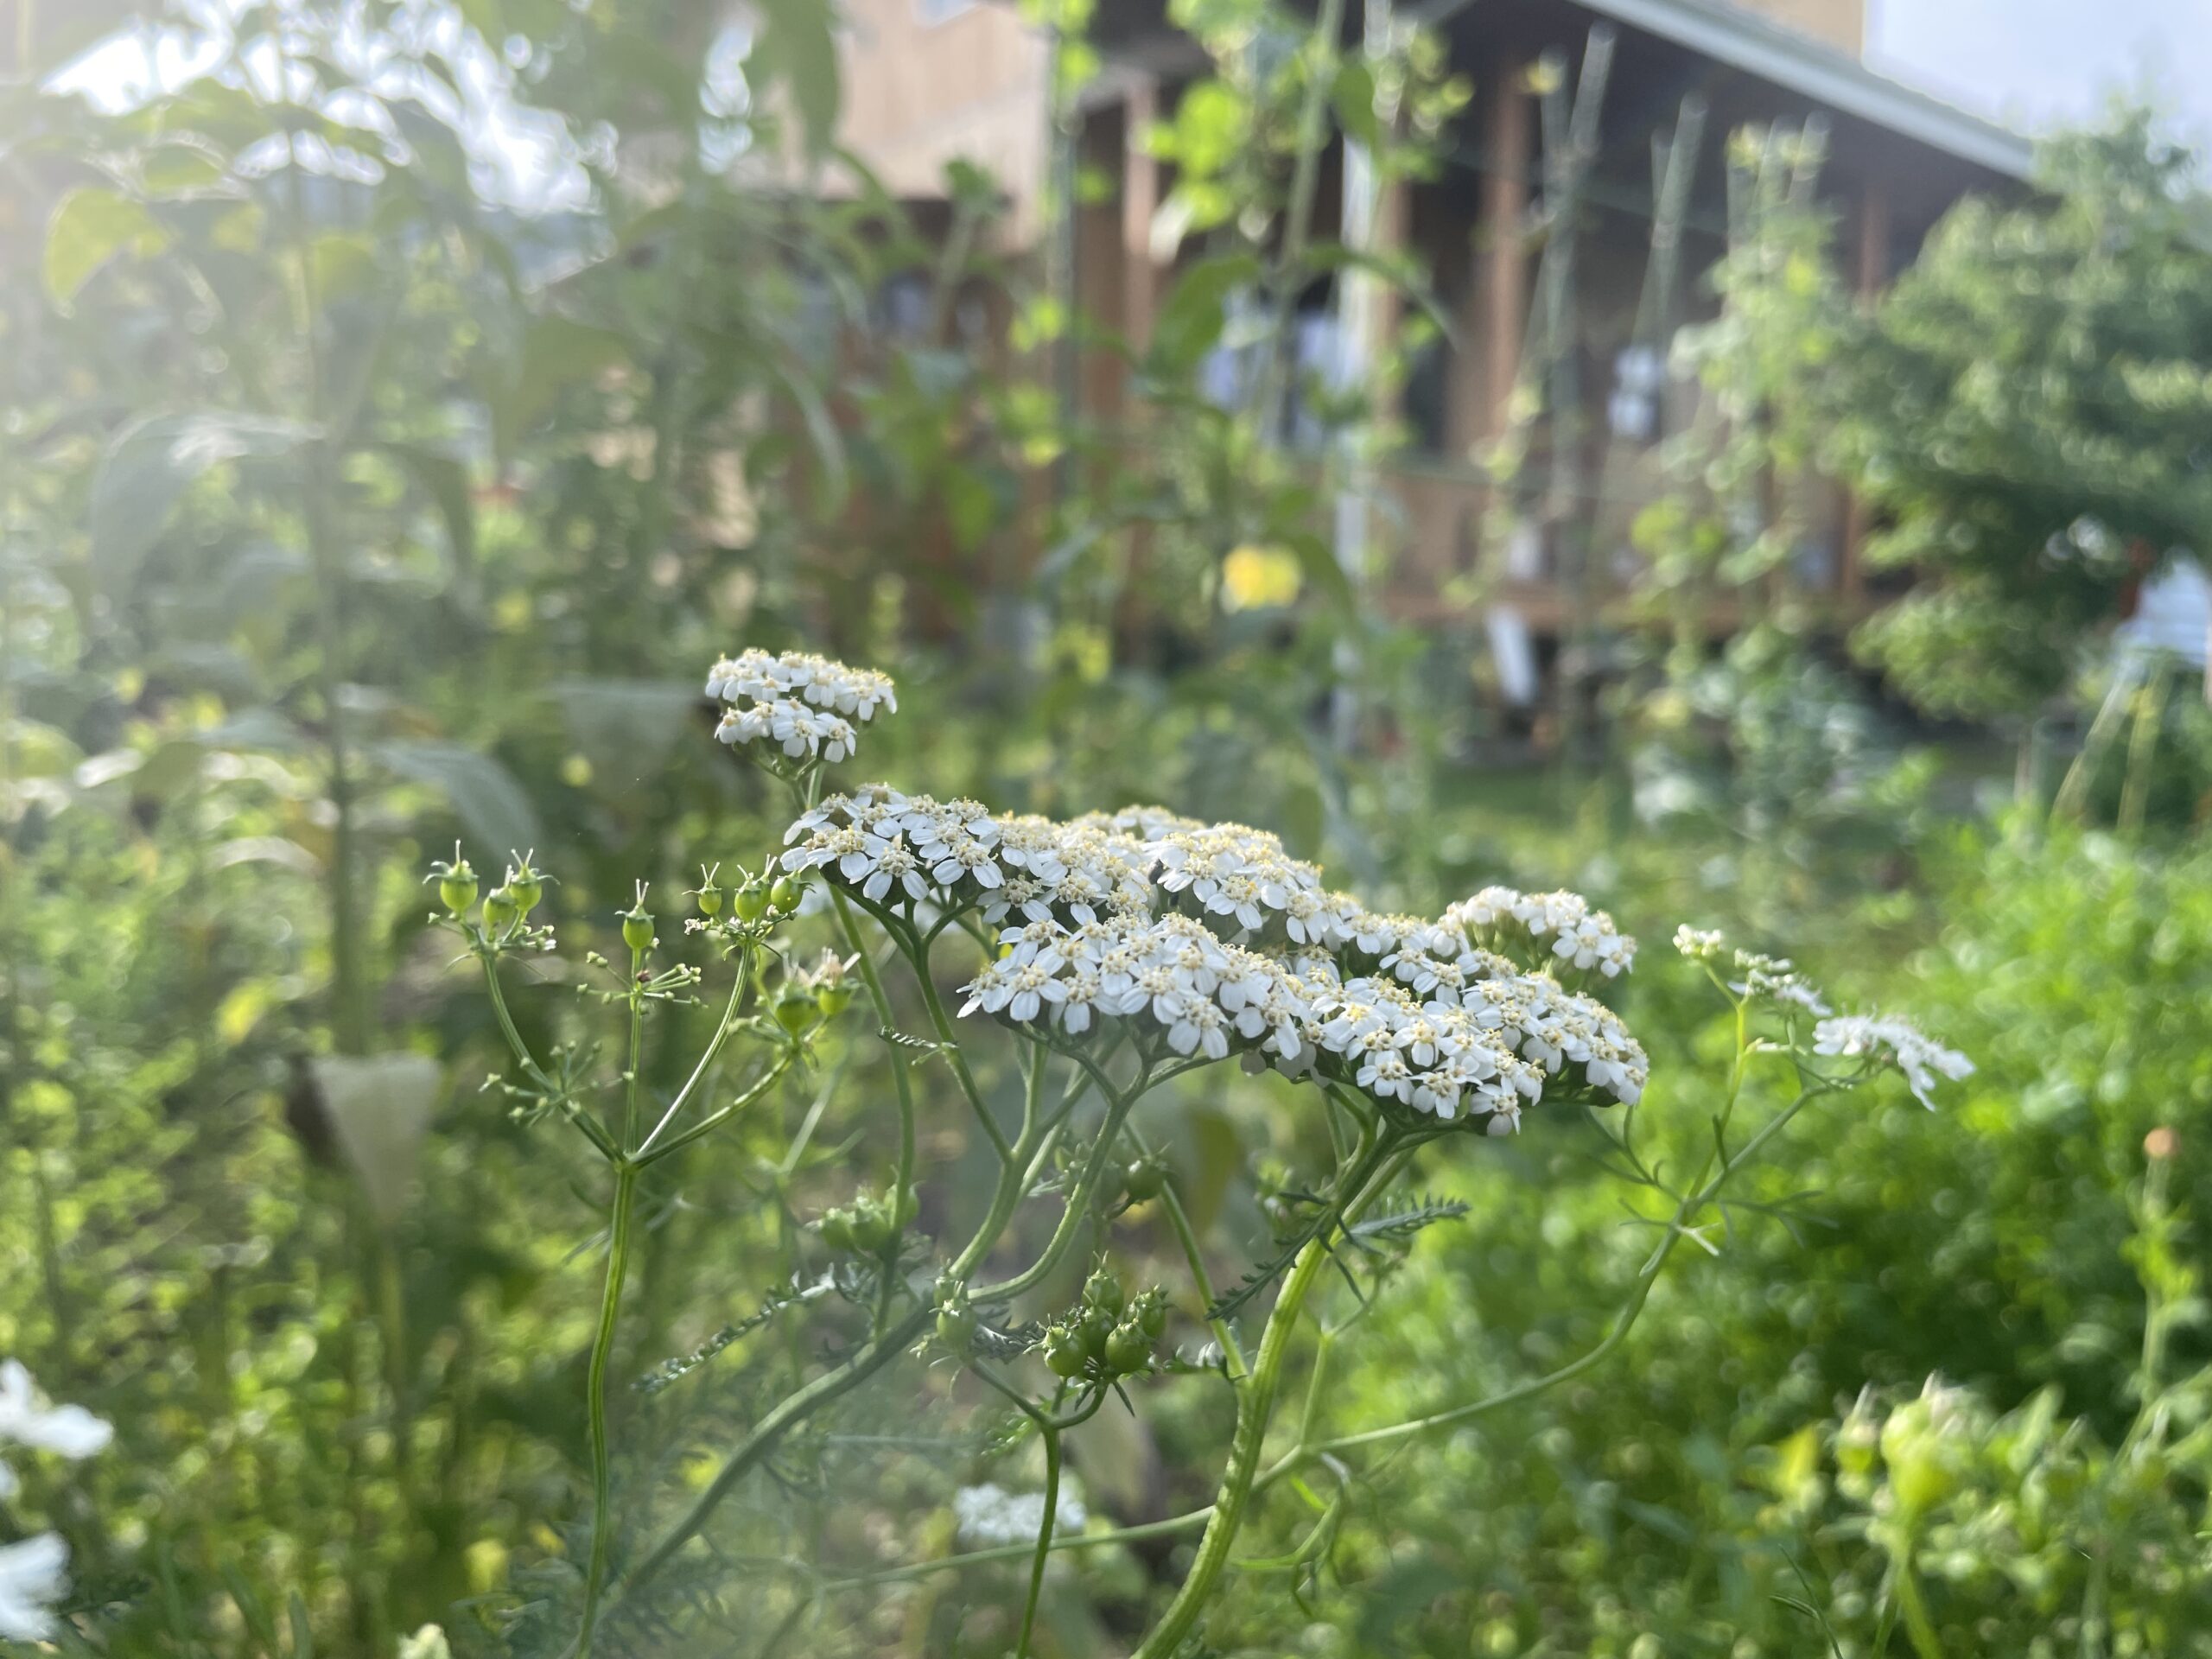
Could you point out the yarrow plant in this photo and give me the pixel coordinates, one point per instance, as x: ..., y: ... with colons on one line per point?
x: 33, y: 1571
x: 1114, y: 953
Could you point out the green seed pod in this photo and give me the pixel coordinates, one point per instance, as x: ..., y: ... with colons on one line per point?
x: 526, y: 884
x: 1093, y: 1326
x: 784, y: 892
x: 905, y: 1206
x: 956, y: 1316
x: 457, y: 890
x: 794, y: 1010
x: 1149, y: 1310
x: 1103, y: 1290
x: 872, y: 1229
x: 1064, y: 1354
x: 706, y: 894
x: 752, y: 901
x: 1143, y: 1180
x: 501, y: 911
x: 1128, y: 1347
x: 837, y: 1230
x: 956, y: 1327
x: 833, y: 999
x: 637, y: 929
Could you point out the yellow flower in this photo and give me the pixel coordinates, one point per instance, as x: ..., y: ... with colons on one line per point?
x: 1258, y: 578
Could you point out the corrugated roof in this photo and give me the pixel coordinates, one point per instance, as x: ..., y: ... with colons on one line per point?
x: 1775, y: 51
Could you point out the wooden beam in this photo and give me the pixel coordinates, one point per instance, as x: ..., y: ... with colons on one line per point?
x: 1502, y: 294
x: 1140, y: 202
x: 1871, y: 273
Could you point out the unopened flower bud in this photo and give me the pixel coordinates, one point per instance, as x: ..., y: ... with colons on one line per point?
x: 526, y: 883
x: 501, y: 911
x: 707, y: 896
x: 752, y: 900
x: 1064, y: 1352
x: 456, y: 882
x: 637, y: 925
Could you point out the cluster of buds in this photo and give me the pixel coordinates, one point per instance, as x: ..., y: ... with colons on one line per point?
x: 505, y: 912
x: 869, y: 1225
x: 1105, y: 1336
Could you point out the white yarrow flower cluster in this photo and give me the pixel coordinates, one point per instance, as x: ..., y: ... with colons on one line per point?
x: 805, y: 706
x: 1893, y: 1041
x: 989, y: 1515
x: 34, y: 1573
x: 1215, y: 942
x: 1580, y: 937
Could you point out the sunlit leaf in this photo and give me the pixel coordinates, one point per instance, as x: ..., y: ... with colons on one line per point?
x: 90, y: 226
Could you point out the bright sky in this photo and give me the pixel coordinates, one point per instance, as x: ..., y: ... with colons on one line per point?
x: 2030, y: 63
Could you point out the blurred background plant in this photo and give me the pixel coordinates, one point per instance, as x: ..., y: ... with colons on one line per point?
x: 351, y: 504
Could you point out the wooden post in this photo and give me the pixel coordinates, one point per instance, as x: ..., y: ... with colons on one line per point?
x: 1872, y: 272
x: 1140, y: 202
x: 1503, y: 295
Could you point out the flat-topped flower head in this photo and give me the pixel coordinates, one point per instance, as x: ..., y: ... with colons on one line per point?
x: 1208, y: 942
x: 804, y: 707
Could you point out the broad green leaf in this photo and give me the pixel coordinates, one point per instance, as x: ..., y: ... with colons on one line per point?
x: 151, y: 462
x: 1353, y: 94
x: 798, y: 46
x: 494, y: 812
x: 557, y: 353
x: 445, y: 481
x: 1190, y: 324
x: 90, y: 226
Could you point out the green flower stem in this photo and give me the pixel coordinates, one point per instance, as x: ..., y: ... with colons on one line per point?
x: 1624, y: 1318
x: 602, y: 1348
x: 1186, y: 1234
x: 745, y: 959
x: 620, y: 1235
x: 1080, y: 1200
x: 881, y: 1003
x: 1918, y: 1623
x: 796, y: 1407
x: 793, y: 1409
x: 1255, y: 1405
x: 1174, y: 1526
x: 645, y: 1158
x: 584, y: 1121
x: 915, y: 947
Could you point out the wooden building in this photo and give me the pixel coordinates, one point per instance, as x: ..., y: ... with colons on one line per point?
x: 927, y: 82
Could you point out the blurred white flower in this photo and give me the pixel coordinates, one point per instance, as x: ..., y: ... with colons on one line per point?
x: 33, y: 1572
x: 990, y: 1515
x: 1893, y: 1041
x: 33, y: 1576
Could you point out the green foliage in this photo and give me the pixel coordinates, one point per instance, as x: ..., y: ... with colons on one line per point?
x: 2027, y: 416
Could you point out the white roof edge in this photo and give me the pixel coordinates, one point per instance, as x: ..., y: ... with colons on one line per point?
x: 1775, y: 52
